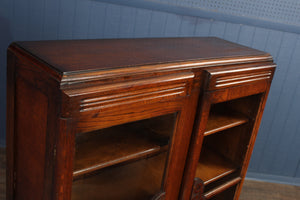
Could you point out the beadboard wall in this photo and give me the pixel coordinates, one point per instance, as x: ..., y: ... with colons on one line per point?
x: 276, y: 155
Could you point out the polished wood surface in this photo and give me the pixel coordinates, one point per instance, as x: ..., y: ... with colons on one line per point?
x: 222, y: 188
x: 137, y: 180
x: 220, y: 119
x: 2, y: 174
x: 66, y: 98
x: 114, y: 103
x: 213, y: 166
x: 32, y: 153
x: 227, y: 132
x: 239, y: 76
x: 114, y: 145
x: 78, y: 55
x: 257, y: 190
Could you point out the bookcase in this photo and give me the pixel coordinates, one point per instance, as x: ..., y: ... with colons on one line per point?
x: 120, y: 119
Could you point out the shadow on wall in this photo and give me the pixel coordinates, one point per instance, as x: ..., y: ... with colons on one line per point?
x: 5, y: 40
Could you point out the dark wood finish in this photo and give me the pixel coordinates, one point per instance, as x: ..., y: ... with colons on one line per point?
x: 10, y: 126
x: 239, y: 76
x: 228, y: 85
x: 77, y: 55
x: 61, y: 94
x: 29, y: 156
x: 254, y: 132
x: 2, y: 174
x: 198, y: 190
x: 222, y: 188
x: 29, y: 78
x: 160, y: 94
x: 195, y: 148
x: 213, y: 166
x: 220, y: 119
x: 258, y: 189
x: 94, y: 150
x: 137, y: 180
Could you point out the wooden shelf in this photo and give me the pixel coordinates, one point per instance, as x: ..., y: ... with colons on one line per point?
x: 223, y: 119
x: 137, y: 180
x: 223, y: 187
x: 113, y: 146
x: 213, y: 166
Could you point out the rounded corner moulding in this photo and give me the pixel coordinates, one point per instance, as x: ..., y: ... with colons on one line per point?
x: 73, y: 77
x: 18, y: 51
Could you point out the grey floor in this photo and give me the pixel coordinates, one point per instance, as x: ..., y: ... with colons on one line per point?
x: 256, y: 190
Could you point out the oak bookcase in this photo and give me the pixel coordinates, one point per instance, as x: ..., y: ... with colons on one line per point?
x: 132, y: 119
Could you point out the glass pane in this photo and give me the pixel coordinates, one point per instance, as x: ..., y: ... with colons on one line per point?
x: 122, y: 162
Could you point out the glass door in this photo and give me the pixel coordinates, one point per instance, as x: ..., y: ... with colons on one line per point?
x: 226, y: 140
x: 123, y: 162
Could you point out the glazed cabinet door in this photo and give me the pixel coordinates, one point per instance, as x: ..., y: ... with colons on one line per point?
x: 126, y: 161
x: 130, y: 139
x: 228, y: 120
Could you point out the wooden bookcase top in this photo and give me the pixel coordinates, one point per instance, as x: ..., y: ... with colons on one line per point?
x: 82, y: 56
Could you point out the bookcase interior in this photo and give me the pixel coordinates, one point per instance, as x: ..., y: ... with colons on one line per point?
x: 129, y: 157
x: 226, y: 138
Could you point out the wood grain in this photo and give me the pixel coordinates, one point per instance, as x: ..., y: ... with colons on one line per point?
x: 222, y: 119
x: 213, y: 166
x: 112, y: 146
x: 227, y: 132
x: 31, y: 153
x: 238, y: 76
x: 258, y: 190
x: 2, y: 174
x: 77, y: 55
x: 222, y: 188
x: 137, y: 180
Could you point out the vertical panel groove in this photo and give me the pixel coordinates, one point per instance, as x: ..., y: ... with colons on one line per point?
x: 166, y: 20
x: 89, y: 21
x: 150, y: 21
x: 59, y: 15
x: 135, y: 16
x: 278, y: 50
x: 239, y: 32
x: 74, y: 18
